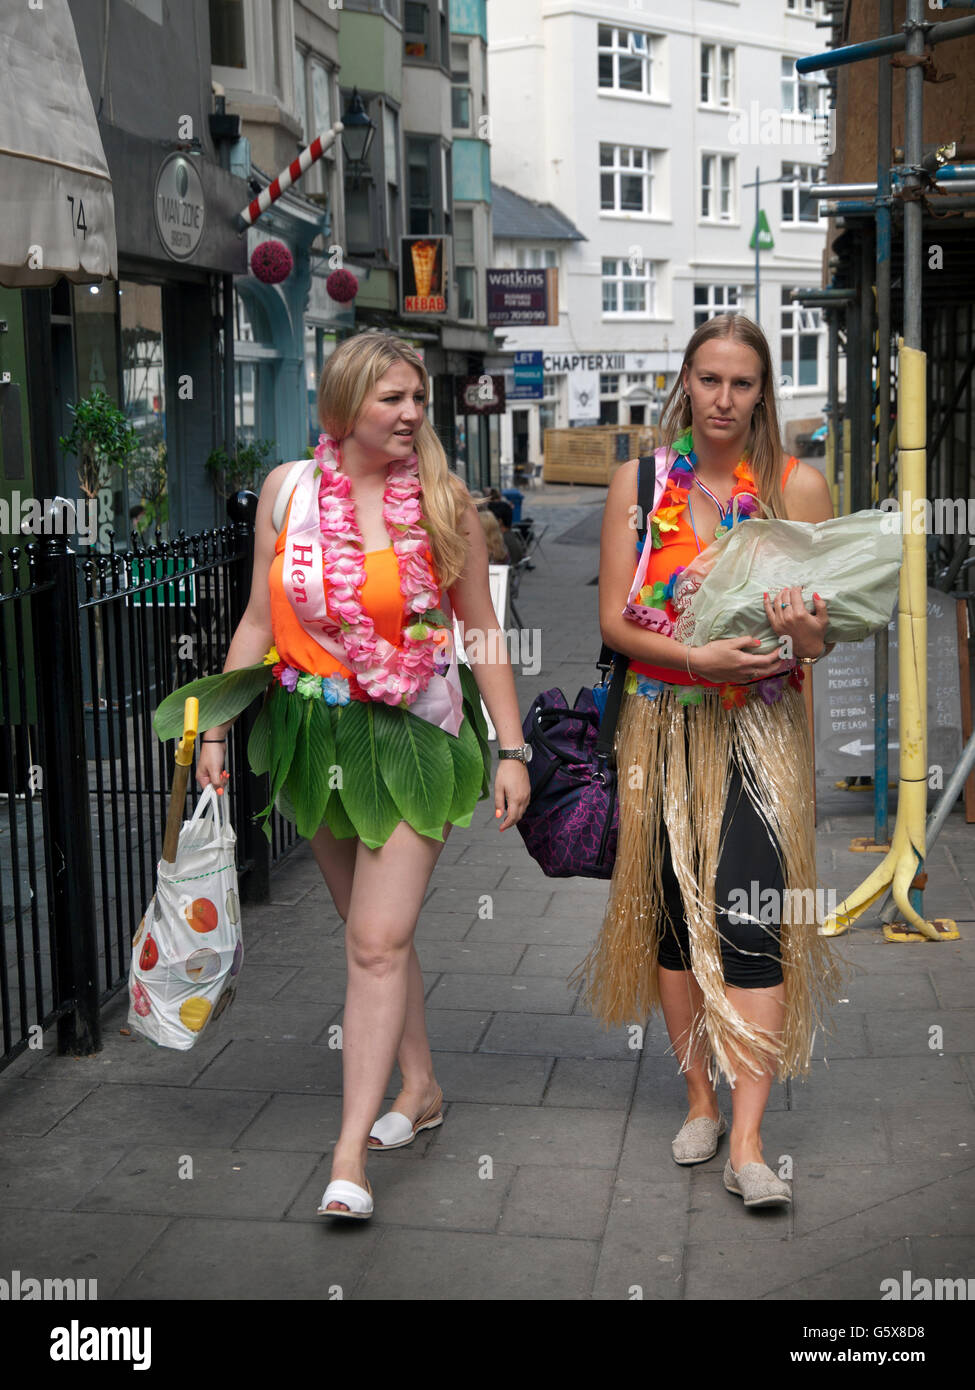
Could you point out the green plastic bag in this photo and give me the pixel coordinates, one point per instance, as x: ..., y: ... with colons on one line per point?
x: 852, y: 562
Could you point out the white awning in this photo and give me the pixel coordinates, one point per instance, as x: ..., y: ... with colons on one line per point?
x: 57, y: 213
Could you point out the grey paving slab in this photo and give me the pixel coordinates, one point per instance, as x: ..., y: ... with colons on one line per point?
x: 643, y: 1246
x: 53, y: 1174
x: 480, y: 1077
x: 467, y: 880
x: 34, y: 1105
x: 552, y: 1035
x: 893, y: 1198
x: 781, y: 1268
x: 170, y: 1114
x: 506, y: 906
x: 437, y: 1194
x: 306, y: 1124
x: 893, y: 1035
x: 325, y: 1260
x: 443, y: 926
x: 955, y: 988
x: 289, y: 945
x: 471, y: 957
x: 920, y: 1128
x: 871, y: 1081
x: 946, y: 1257
x: 646, y: 1156
x: 299, y: 1067
x: 603, y: 1085
x: 884, y: 992
x: 470, y: 1266
x: 259, y: 981
x: 316, y: 984
x: 277, y: 1020
x: 502, y: 993
x: 257, y: 1184
x: 539, y: 931
x: 555, y: 961
x: 99, y: 1247
x: 522, y: 1134
x: 558, y: 1201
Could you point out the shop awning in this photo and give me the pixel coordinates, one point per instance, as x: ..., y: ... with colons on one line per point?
x: 57, y: 213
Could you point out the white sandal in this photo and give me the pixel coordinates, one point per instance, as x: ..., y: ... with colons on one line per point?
x: 356, y: 1198
x: 394, y: 1130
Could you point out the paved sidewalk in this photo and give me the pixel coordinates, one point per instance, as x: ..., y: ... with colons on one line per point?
x: 551, y: 1177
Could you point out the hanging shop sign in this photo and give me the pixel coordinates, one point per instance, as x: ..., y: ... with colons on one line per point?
x: 179, y: 206
x: 424, y: 272
x: 522, y: 296
x: 528, y: 377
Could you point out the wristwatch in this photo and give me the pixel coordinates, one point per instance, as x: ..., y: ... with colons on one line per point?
x: 811, y: 660
x: 523, y: 754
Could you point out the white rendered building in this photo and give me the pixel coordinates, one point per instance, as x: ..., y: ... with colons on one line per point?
x: 640, y: 122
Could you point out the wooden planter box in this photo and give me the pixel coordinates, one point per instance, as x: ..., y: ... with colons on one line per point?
x: 592, y: 454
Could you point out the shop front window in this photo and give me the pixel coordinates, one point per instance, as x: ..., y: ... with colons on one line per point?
x: 144, y: 402
x: 97, y: 367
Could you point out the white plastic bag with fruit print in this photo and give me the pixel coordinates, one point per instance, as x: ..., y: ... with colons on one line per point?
x: 187, y: 952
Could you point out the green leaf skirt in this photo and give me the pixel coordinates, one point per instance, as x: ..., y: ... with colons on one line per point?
x: 359, y: 768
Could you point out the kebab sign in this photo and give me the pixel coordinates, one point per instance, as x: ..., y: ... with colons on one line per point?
x: 424, y: 268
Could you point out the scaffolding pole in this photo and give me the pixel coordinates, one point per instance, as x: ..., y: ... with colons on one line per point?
x: 900, y: 872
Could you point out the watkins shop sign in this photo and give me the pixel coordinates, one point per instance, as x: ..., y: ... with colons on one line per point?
x: 522, y: 296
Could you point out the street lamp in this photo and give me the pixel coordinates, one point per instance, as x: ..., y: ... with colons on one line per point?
x: 357, y: 135
x: 762, y: 183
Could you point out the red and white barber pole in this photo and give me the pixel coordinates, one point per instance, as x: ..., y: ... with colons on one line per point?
x: 309, y: 155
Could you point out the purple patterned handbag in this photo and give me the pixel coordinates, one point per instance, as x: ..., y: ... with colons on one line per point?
x: 572, y: 820
x: 571, y: 823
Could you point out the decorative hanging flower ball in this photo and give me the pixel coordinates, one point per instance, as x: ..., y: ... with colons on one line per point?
x: 342, y: 286
x: 271, y: 262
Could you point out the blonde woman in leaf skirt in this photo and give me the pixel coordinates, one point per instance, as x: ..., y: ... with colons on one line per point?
x: 362, y: 557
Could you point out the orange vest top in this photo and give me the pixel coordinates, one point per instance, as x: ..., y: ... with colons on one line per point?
x: 381, y: 600
x: 679, y: 549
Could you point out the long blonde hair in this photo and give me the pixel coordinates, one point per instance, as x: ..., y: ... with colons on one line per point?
x: 764, y: 442
x: 347, y: 379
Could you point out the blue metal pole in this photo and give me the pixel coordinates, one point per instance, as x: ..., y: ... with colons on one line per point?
x: 881, y: 650
x: 889, y: 43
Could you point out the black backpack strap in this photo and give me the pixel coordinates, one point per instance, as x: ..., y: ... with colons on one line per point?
x: 646, y: 478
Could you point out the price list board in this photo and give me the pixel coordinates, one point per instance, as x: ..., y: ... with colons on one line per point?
x: 843, y: 698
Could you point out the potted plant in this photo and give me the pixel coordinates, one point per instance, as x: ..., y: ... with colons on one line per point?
x: 102, y: 439
x: 247, y: 468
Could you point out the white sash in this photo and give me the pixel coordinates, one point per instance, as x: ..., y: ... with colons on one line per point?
x: 303, y: 577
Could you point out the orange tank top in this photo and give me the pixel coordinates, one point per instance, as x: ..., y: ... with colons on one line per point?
x: 381, y: 600
x: 679, y: 550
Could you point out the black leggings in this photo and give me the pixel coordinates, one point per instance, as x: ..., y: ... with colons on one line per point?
x: 751, y: 952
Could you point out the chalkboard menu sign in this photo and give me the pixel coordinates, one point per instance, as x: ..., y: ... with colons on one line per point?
x: 843, y: 700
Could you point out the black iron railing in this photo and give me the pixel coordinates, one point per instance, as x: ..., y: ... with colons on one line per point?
x: 90, y: 646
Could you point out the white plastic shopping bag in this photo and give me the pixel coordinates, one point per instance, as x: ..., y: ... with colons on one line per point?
x: 187, y: 952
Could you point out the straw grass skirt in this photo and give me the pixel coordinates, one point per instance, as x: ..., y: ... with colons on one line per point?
x: 674, y: 765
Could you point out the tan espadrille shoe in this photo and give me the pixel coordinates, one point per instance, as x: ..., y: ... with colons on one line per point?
x: 758, y: 1185
x: 698, y: 1140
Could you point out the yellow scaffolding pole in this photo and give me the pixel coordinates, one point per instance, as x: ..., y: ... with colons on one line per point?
x: 900, y: 865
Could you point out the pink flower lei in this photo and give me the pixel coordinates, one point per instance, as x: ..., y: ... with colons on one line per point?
x: 395, y: 675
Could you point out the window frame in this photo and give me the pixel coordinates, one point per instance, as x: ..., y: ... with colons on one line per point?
x: 617, y: 171
x: 649, y: 90
x: 797, y: 82
x: 619, y: 279
x: 711, y: 306
x: 710, y: 67
x: 715, y: 187
x: 796, y: 331
x: 791, y: 187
